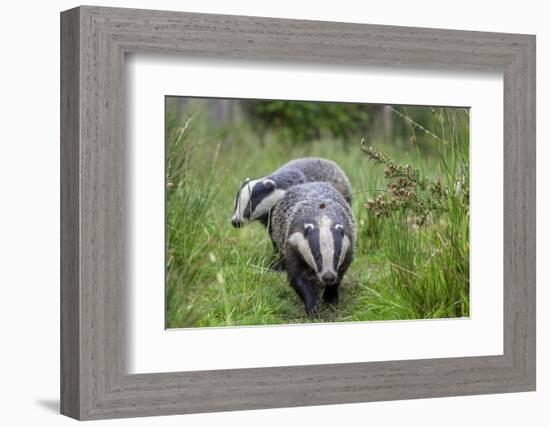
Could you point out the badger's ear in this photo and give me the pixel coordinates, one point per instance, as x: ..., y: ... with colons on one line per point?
x: 269, y: 183
x: 246, y: 180
x: 339, y: 227
x: 307, y: 228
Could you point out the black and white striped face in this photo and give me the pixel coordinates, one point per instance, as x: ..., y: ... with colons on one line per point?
x: 254, y: 200
x: 323, y: 247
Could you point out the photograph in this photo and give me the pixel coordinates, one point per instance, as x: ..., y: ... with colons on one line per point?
x: 329, y: 214
x: 293, y: 212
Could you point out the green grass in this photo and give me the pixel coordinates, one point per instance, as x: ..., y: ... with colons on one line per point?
x: 217, y: 275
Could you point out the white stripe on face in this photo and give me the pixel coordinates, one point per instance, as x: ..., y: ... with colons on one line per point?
x: 267, y: 203
x: 344, y: 251
x: 326, y: 245
x: 299, y: 241
x: 243, y: 201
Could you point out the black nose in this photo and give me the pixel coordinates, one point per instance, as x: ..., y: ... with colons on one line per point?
x: 329, y: 278
x: 237, y: 223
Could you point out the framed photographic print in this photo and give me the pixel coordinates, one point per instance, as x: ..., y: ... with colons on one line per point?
x: 262, y: 213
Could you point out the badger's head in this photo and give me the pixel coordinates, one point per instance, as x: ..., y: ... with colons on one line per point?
x: 323, y: 247
x: 254, y: 200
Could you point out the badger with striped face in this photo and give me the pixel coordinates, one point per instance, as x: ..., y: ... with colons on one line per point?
x: 256, y: 198
x: 323, y: 247
x: 314, y: 230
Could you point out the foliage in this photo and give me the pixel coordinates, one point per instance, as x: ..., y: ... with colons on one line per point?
x: 301, y: 121
x: 186, y: 207
x: 429, y: 222
x: 409, y: 190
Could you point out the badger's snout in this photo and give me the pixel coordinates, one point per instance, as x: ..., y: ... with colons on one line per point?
x: 236, y: 222
x: 329, y: 278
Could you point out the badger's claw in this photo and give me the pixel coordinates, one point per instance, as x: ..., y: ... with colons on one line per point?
x: 311, y: 309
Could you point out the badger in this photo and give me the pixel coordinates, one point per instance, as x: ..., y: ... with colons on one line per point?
x: 313, y: 229
x: 256, y: 198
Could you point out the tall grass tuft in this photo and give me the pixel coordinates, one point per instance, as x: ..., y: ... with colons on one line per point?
x: 425, y: 225
x: 187, y: 206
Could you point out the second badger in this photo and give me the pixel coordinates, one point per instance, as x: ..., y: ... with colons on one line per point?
x: 256, y: 197
x: 313, y: 230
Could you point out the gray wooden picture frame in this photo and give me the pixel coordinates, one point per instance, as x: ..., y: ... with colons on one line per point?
x: 94, y: 41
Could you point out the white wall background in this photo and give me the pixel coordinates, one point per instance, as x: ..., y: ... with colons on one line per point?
x: 29, y: 214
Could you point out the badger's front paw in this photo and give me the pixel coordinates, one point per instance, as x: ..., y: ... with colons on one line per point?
x: 330, y: 296
x: 311, y: 308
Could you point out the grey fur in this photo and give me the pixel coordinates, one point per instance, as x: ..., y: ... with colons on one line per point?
x: 298, y: 171
x: 313, y: 169
x: 313, y: 261
x: 301, y: 205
